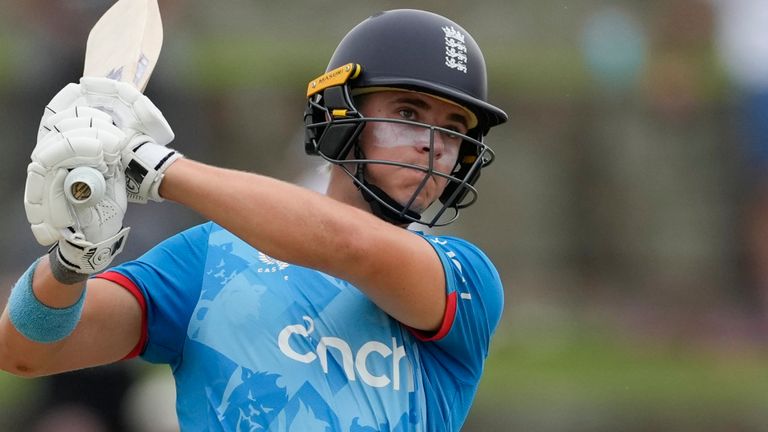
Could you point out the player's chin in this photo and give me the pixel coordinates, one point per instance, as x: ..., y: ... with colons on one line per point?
x: 408, y: 181
x: 428, y: 194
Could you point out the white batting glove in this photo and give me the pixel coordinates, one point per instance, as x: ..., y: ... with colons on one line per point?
x: 87, y: 237
x: 145, y: 163
x: 130, y: 110
x: 144, y: 155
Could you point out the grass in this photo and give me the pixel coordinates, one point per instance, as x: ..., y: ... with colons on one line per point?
x: 16, y: 398
x: 585, y: 377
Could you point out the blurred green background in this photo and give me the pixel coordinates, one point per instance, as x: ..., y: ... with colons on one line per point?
x: 626, y: 210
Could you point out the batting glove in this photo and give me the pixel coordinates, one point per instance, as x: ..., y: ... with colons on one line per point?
x: 86, y: 238
x: 144, y: 155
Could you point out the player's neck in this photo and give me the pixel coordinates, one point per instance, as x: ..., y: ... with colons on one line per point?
x: 342, y: 188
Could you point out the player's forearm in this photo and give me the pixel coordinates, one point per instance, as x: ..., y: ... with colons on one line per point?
x: 20, y: 355
x: 283, y: 220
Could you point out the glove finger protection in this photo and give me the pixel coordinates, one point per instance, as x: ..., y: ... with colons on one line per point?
x: 87, y: 237
x: 52, y: 121
x: 144, y: 155
x: 73, y: 134
x: 130, y: 110
x: 45, y: 204
x: 111, y: 127
x: 109, y: 137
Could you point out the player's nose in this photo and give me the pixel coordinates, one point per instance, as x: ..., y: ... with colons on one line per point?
x: 434, y: 143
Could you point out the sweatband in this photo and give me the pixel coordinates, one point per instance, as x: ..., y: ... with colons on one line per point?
x: 36, y: 321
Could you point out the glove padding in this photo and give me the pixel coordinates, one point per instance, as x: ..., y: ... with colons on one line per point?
x: 144, y: 155
x: 88, y: 236
x: 131, y: 111
x: 109, y: 126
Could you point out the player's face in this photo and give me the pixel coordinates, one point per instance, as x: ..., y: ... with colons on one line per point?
x: 411, y: 144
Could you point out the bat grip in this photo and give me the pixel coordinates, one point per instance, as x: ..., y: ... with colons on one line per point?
x: 84, y: 186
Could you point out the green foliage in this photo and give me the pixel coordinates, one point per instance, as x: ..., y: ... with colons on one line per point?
x: 583, y: 379
x: 237, y: 62
x: 16, y: 397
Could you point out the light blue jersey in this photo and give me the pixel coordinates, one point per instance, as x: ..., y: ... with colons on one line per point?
x: 259, y: 344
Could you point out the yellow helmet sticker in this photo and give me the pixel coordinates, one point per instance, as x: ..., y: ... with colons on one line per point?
x: 332, y: 78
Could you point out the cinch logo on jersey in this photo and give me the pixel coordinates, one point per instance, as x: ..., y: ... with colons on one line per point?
x: 354, y: 364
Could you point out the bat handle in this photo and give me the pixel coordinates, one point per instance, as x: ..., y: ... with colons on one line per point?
x: 84, y: 186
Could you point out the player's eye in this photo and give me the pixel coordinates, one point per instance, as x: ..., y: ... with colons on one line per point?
x: 407, y: 114
x: 451, y: 135
x: 455, y: 131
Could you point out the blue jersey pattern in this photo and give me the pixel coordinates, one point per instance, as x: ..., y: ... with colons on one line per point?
x: 257, y: 344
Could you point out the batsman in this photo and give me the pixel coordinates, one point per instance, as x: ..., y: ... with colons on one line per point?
x: 289, y: 309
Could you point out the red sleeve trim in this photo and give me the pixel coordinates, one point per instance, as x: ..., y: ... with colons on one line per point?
x: 136, y: 292
x: 445, y: 327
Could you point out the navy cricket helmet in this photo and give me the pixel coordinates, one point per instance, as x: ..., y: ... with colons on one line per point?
x: 412, y: 50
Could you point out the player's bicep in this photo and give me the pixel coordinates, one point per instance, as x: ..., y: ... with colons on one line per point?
x: 404, y: 276
x: 110, y: 327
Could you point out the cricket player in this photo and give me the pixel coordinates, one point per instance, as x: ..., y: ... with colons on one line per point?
x: 289, y: 310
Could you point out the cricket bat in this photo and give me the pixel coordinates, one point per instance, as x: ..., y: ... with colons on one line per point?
x: 123, y: 45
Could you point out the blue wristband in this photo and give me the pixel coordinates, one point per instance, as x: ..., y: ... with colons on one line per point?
x: 36, y: 321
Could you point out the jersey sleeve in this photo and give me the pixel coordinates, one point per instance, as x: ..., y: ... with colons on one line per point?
x: 475, y: 300
x: 166, y: 282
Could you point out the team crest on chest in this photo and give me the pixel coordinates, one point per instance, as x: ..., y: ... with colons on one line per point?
x: 455, y: 50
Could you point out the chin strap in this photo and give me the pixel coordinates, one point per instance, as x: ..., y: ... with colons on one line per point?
x: 371, y: 192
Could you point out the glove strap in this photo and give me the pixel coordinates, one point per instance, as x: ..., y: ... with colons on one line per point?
x: 83, y: 257
x: 144, y: 169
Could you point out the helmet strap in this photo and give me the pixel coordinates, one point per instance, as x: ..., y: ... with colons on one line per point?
x: 371, y: 192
